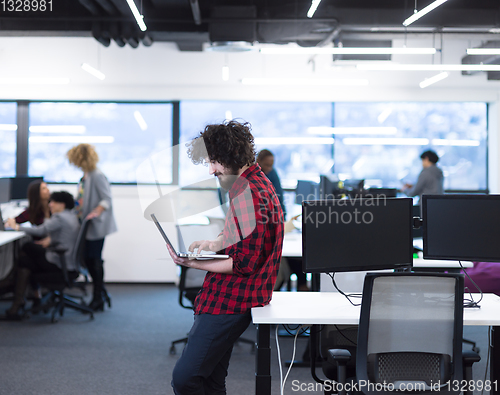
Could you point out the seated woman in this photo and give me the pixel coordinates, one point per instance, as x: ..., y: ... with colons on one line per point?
x: 37, y: 212
x: 40, y: 263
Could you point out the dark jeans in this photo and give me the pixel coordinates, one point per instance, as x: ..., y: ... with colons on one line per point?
x: 32, y: 257
x: 202, y: 367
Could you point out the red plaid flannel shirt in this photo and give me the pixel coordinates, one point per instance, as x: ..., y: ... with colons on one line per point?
x: 253, y: 237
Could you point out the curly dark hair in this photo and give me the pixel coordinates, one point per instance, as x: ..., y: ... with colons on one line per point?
x: 63, y: 197
x: 230, y: 143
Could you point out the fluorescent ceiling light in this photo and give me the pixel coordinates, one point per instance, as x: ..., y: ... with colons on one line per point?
x: 72, y: 139
x: 33, y: 81
x: 483, y: 51
x: 384, y: 141
x: 8, y: 127
x: 61, y: 129
x: 305, y: 81
x: 137, y: 15
x: 225, y: 73
x: 96, y: 73
x: 294, y: 140
x: 456, y: 143
x: 346, y: 51
x: 384, y: 115
x: 313, y: 8
x: 422, y: 12
x: 140, y: 120
x: 427, y: 67
x: 432, y: 80
x: 325, y: 130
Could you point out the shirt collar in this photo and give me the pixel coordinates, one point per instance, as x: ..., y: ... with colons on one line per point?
x: 241, y: 182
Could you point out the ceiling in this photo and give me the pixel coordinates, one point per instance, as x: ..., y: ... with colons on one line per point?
x: 193, y: 26
x: 192, y: 23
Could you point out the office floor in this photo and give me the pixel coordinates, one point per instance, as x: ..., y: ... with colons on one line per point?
x: 126, y: 350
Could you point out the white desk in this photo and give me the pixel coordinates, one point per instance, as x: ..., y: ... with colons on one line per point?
x: 10, y: 236
x: 333, y: 308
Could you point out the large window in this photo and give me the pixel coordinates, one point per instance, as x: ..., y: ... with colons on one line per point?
x: 124, y: 134
x: 8, y: 133
x: 279, y: 127
x: 391, y: 156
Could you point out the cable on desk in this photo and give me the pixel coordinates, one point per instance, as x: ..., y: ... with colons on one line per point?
x: 471, y: 302
x: 348, y: 296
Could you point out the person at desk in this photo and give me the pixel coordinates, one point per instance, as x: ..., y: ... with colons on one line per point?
x: 430, y: 180
x: 36, y: 213
x: 36, y: 262
x: 94, y: 201
x: 265, y: 159
x: 252, y: 238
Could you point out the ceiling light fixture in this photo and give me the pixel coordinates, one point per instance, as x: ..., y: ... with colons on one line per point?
x: 422, y: 12
x: 63, y: 129
x: 33, y: 81
x: 140, y: 120
x: 347, y: 51
x: 483, y: 51
x: 72, y: 139
x: 427, y: 67
x: 456, y: 143
x: 383, y: 141
x: 8, y: 127
x: 432, y: 80
x: 305, y: 81
x: 137, y: 15
x: 225, y: 73
x: 313, y: 8
x: 294, y: 140
x: 96, y: 73
x: 326, y: 130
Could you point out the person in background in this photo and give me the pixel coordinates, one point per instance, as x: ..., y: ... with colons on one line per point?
x: 430, y: 180
x: 36, y: 213
x: 93, y: 201
x: 252, y: 238
x: 36, y: 262
x: 265, y: 159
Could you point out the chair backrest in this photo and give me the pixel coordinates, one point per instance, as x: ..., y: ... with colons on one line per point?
x: 410, y: 330
x: 191, y: 280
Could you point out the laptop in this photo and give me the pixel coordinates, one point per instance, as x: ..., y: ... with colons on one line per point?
x: 208, y: 255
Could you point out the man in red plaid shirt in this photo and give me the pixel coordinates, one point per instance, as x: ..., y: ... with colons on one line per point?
x: 253, y: 239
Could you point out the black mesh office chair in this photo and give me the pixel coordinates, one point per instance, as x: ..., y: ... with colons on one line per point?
x: 191, y: 280
x: 56, y: 298
x: 410, y: 335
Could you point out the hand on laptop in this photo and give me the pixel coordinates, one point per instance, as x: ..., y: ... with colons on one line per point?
x: 206, y: 245
x: 177, y: 259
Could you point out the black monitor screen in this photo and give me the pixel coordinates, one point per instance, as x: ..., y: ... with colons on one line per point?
x: 460, y: 227
x: 356, y: 234
x: 306, y: 190
x: 19, y: 187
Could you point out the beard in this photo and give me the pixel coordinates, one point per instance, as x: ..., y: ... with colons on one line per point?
x: 226, y: 180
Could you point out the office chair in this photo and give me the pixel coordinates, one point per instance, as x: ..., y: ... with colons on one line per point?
x: 56, y: 297
x: 410, y: 335
x: 191, y: 280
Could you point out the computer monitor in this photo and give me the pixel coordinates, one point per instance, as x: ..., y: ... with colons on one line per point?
x: 19, y: 187
x: 461, y: 227
x: 327, y: 188
x: 361, y: 234
x: 4, y: 190
x: 305, y: 190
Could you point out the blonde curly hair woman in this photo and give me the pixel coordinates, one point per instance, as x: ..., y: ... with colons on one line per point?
x: 93, y: 201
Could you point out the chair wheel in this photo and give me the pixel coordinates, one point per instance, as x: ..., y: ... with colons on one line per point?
x: 172, y: 350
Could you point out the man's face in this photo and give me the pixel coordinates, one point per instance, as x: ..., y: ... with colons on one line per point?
x: 267, y: 164
x: 426, y: 163
x: 226, y: 176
